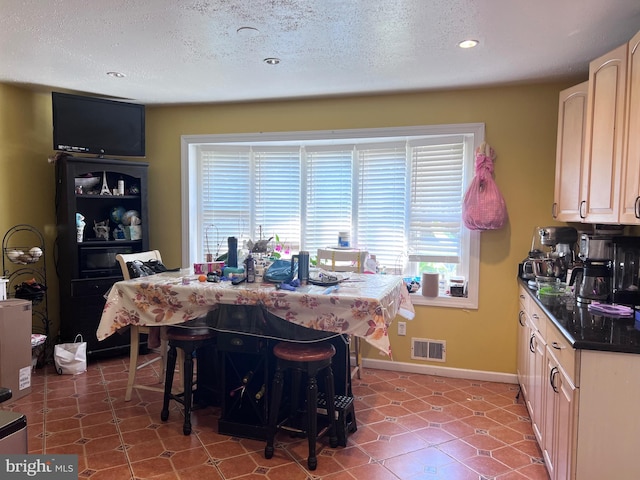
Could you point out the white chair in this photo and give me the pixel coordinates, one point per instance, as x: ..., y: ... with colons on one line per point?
x: 342, y: 260
x: 338, y: 260
x: 137, y: 330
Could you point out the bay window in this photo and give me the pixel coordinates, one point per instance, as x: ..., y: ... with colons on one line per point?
x: 397, y: 191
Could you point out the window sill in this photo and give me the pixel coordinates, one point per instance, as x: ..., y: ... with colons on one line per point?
x: 444, y: 301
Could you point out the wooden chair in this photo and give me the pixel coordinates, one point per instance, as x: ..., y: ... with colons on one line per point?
x: 351, y: 260
x: 337, y: 260
x: 137, y: 330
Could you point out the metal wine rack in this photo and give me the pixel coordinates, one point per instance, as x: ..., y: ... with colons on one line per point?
x: 24, y: 260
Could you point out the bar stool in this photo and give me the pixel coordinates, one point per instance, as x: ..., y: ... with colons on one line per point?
x: 309, y: 359
x: 188, y: 339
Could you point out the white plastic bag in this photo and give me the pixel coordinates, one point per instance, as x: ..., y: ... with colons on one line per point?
x: 71, y: 358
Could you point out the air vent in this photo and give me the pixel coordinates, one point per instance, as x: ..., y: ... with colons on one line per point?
x: 426, y: 349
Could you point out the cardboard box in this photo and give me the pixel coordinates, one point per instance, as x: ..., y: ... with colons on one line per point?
x: 15, y: 346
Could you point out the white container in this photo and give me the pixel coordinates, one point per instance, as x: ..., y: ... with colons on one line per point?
x: 343, y: 239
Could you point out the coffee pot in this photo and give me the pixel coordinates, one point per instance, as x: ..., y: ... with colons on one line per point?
x: 592, y: 281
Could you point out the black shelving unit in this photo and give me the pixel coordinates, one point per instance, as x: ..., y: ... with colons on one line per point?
x: 86, y: 264
x: 24, y: 260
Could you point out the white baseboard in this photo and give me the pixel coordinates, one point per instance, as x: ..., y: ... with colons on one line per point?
x: 439, y: 371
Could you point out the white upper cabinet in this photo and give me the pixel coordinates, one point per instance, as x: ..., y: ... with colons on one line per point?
x: 572, y: 115
x: 604, y: 137
x: 630, y: 196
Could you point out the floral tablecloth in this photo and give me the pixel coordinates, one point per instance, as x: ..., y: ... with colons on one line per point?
x: 363, y: 305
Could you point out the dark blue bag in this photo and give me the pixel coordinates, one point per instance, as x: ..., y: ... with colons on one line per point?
x: 280, y: 271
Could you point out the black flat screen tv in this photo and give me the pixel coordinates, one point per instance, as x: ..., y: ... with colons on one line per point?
x: 90, y: 125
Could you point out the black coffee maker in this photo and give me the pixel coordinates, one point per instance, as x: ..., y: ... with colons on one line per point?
x: 626, y: 271
x: 592, y: 281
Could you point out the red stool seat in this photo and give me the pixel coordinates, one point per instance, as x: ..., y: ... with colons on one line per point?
x: 190, y: 334
x: 304, y: 352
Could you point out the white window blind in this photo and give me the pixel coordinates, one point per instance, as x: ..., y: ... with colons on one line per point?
x: 276, y: 195
x: 382, y: 201
x: 328, y: 194
x: 396, y: 199
x: 435, y: 208
x: 224, y: 197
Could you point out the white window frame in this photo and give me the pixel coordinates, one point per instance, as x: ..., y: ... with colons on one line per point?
x: 190, y: 188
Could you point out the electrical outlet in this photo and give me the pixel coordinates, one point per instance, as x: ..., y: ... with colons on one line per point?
x: 402, y: 328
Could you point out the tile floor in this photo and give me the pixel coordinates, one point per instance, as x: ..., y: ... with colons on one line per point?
x: 410, y: 427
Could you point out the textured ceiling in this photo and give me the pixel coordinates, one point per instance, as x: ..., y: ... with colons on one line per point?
x: 181, y: 51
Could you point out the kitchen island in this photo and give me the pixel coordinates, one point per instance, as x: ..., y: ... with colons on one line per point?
x: 579, y: 373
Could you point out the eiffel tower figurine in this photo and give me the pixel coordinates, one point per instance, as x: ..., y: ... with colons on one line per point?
x: 105, y: 187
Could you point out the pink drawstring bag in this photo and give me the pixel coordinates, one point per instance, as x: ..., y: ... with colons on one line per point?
x: 483, y: 207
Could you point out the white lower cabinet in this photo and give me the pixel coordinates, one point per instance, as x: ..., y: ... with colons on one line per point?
x: 550, y: 392
x: 560, y: 396
x: 564, y: 432
x: 535, y: 402
x: 583, y: 403
x: 524, y: 333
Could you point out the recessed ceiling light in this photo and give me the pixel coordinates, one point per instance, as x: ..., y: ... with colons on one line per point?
x: 468, y: 43
x: 116, y: 74
x: 247, y: 31
x: 271, y: 61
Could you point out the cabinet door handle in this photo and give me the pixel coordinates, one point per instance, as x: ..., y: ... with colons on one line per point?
x: 583, y: 203
x: 554, y: 210
x: 535, y: 315
x: 532, y: 347
x: 636, y: 207
x: 552, y: 377
x: 520, y: 316
x: 557, y: 346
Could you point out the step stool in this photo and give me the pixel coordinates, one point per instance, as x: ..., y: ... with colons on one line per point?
x: 344, y: 411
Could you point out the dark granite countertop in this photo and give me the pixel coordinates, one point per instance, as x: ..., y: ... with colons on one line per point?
x: 588, y: 331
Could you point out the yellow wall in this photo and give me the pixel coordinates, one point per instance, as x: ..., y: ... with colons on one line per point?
x: 521, y: 124
x: 27, y: 180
